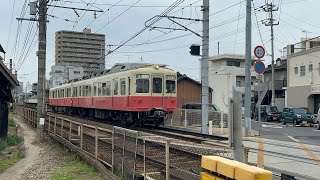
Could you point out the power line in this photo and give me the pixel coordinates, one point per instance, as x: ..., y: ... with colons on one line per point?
x: 123, y: 5
x: 156, y: 19
x: 103, y: 13
x: 77, y: 21
x: 118, y: 15
x: 12, y: 11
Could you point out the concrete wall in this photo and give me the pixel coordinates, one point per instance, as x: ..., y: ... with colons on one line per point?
x: 280, y: 103
x: 298, y: 96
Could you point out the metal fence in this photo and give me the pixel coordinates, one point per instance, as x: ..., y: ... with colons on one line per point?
x: 190, y: 119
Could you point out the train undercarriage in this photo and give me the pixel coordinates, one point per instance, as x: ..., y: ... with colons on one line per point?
x: 154, y: 117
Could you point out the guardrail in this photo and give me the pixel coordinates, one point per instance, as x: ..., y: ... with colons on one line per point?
x: 216, y: 167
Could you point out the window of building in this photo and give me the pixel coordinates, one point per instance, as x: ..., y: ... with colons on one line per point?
x: 115, y: 86
x: 76, y: 72
x: 157, y: 85
x: 302, y: 70
x: 310, y: 67
x: 238, y: 83
x: 296, y: 70
x: 233, y: 63
x: 58, y: 71
x: 108, y: 88
x: 123, y: 86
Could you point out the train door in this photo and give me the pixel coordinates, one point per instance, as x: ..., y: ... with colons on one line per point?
x: 157, y: 93
x: 129, y: 92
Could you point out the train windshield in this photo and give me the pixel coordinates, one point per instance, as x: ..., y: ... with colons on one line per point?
x: 170, y: 84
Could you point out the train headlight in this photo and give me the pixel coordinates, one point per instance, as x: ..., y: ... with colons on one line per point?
x: 157, y: 67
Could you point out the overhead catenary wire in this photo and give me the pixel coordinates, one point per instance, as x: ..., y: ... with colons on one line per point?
x: 156, y: 19
x: 126, y: 10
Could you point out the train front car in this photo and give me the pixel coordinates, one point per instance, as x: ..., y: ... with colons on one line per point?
x: 154, y: 94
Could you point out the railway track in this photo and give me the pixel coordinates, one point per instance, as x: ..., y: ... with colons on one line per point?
x: 147, y: 150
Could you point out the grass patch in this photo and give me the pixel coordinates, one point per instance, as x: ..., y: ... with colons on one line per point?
x: 11, y: 160
x: 3, y: 145
x: 14, y: 140
x: 74, y: 168
x: 11, y: 122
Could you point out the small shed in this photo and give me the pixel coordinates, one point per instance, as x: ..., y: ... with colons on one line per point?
x: 7, y: 83
x: 189, y: 90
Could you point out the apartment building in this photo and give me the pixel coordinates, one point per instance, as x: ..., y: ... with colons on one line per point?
x: 303, y: 64
x: 61, y: 74
x: 80, y: 49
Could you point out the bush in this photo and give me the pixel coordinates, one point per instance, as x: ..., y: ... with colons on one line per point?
x: 14, y: 139
x: 3, y: 145
x: 11, y: 123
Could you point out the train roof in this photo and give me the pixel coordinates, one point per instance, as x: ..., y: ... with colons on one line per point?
x: 118, y: 67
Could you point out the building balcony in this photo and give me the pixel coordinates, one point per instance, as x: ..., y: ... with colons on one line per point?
x: 278, y: 85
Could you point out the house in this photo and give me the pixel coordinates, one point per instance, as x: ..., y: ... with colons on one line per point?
x: 303, y: 64
x: 226, y: 72
x: 280, y: 84
x: 189, y: 90
x: 7, y: 82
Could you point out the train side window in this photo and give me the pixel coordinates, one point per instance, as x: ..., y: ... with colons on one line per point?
x: 80, y: 91
x: 157, y: 85
x: 94, y: 89
x: 142, y: 85
x: 104, y: 89
x: 115, y: 86
x: 123, y: 86
x: 83, y: 91
x: 108, y: 88
x: 90, y: 90
x: 99, y: 89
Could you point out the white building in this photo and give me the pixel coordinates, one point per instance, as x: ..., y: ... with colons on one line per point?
x: 303, y: 64
x: 61, y: 74
x: 227, y: 71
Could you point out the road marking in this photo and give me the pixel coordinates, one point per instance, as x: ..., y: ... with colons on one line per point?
x: 296, y: 140
x: 260, y: 158
x: 310, y: 153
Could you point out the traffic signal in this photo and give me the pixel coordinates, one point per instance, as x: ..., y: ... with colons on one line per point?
x: 195, y: 50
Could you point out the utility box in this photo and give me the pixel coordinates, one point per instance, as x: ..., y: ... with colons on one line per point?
x: 33, y: 8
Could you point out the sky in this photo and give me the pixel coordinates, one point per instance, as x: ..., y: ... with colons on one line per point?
x: 122, y: 19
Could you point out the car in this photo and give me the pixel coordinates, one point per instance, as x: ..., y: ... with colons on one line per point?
x: 297, y: 116
x: 268, y: 113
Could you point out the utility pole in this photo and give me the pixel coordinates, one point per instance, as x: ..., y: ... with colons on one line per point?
x: 270, y: 8
x: 247, y: 99
x: 41, y: 64
x: 205, y: 68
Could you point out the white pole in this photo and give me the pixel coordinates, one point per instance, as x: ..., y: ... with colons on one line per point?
x: 221, y: 123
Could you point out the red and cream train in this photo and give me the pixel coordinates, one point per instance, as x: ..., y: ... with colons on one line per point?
x: 127, y: 93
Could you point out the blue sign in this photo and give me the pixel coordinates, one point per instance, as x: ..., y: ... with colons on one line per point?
x: 259, y: 67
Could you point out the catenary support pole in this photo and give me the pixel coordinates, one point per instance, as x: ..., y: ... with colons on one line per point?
x: 205, y: 68
x: 41, y: 64
x: 247, y: 96
x: 237, y: 126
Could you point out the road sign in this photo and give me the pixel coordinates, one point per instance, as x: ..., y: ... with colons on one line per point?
x: 259, y: 67
x: 259, y: 52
